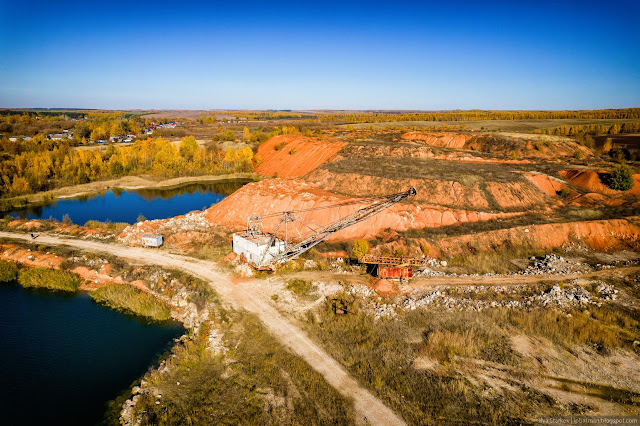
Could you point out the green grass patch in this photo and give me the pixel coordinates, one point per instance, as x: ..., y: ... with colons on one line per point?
x: 49, y: 278
x: 131, y: 300
x: 8, y: 272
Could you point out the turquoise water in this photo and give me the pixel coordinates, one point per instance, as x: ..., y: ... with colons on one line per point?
x: 126, y: 205
x: 64, y: 357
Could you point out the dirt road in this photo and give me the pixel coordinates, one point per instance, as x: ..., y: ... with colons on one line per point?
x: 240, y: 296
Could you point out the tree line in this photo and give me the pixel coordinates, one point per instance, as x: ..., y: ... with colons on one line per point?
x: 47, y: 166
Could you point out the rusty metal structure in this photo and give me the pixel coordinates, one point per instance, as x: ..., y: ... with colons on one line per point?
x: 390, y: 267
x: 286, y: 242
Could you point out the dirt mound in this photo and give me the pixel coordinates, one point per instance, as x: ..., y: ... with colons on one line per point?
x: 598, y: 235
x: 30, y: 258
x: 518, y: 145
x: 385, y: 287
x: 295, y: 155
x: 278, y: 195
x: 591, y: 180
x: 471, y: 194
x: 440, y: 140
x: 547, y: 184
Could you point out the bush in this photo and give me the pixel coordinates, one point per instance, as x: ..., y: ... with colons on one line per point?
x: 300, y: 287
x: 279, y: 146
x: 621, y: 179
x: 49, y: 278
x: 141, y: 218
x: 359, y: 248
x: 564, y: 193
x: 8, y: 272
x: 293, y: 151
x: 66, y: 219
x: 131, y: 300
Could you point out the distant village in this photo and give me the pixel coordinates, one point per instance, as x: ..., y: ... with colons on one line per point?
x: 129, y: 138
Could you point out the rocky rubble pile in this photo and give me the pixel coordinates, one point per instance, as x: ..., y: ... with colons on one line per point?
x: 551, y: 264
x: 479, y: 297
x: 194, y: 221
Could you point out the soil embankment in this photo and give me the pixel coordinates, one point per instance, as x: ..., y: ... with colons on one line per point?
x: 279, y: 195
x: 602, y: 235
x: 520, y: 145
x: 295, y: 155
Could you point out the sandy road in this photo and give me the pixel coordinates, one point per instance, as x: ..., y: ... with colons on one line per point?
x: 241, y: 296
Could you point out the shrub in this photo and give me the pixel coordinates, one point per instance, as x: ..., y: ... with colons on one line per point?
x: 359, y: 248
x: 131, y: 300
x: 564, y: 193
x: 8, y: 271
x: 279, y: 146
x: 66, y: 219
x: 578, y: 155
x: 621, y: 179
x: 292, y: 151
x: 49, y: 278
x: 141, y: 218
x: 300, y: 287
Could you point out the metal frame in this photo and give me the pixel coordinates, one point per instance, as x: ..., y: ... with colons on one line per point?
x: 295, y: 249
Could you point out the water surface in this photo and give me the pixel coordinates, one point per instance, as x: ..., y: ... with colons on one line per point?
x: 64, y: 357
x: 125, y: 205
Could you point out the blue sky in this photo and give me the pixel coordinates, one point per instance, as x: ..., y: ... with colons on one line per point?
x: 309, y: 55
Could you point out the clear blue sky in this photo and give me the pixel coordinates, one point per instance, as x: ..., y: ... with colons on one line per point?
x: 304, y: 54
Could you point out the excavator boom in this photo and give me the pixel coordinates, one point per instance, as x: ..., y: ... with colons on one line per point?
x: 294, y: 250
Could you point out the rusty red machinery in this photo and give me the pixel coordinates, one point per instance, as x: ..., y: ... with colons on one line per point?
x: 390, y: 267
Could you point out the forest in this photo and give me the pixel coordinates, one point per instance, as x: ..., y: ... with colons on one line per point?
x: 47, y: 165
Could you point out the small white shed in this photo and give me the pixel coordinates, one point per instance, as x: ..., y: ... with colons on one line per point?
x: 152, y: 240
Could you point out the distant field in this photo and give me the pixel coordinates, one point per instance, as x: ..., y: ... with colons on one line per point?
x: 507, y: 125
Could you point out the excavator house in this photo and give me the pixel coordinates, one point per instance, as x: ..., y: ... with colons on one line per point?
x: 295, y: 235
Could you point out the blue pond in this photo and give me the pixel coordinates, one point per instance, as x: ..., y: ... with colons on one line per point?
x: 125, y: 205
x: 64, y: 357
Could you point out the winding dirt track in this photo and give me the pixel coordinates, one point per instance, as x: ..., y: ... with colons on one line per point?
x: 367, y: 406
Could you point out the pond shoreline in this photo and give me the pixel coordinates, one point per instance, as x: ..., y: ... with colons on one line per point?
x: 123, y: 183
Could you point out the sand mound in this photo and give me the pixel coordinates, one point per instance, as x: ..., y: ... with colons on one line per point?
x: 590, y: 180
x: 385, y: 287
x: 547, y: 184
x: 522, y: 144
x: 440, y: 140
x: 521, y: 194
x: 278, y: 195
x: 296, y: 155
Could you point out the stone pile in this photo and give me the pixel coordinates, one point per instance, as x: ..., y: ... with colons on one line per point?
x: 551, y: 264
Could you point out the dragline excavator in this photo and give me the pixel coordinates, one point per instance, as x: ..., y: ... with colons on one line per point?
x: 267, y: 251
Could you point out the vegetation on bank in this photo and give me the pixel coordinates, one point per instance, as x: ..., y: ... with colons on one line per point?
x: 131, y: 300
x: 387, y: 356
x: 8, y: 271
x: 51, y: 279
x: 254, y: 381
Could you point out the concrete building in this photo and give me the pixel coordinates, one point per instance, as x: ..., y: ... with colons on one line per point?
x: 152, y: 240
x: 254, y: 244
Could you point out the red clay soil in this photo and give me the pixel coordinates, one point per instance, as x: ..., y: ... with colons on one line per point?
x: 440, y: 140
x: 278, y: 195
x: 547, y: 184
x: 599, y: 235
x: 309, y: 153
x: 590, y: 181
x: 514, y: 195
x: 523, y: 145
x: 385, y: 287
x: 35, y: 259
